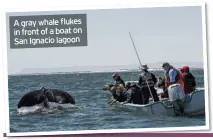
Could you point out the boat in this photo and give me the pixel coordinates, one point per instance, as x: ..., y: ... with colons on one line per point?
x: 194, y: 105
x: 194, y: 102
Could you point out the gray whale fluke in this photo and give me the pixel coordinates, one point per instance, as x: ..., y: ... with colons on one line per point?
x: 44, y: 96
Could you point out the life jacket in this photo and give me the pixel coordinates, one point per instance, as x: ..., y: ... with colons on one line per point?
x: 188, y: 82
x: 177, y: 78
x: 147, y: 76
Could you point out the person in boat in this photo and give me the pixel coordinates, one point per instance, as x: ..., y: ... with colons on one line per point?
x: 118, y: 93
x: 118, y: 80
x: 171, y: 75
x: 128, y: 86
x: 161, y: 83
x: 147, y: 80
x: 189, y: 83
x: 173, y: 83
x: 134, y: 95
x: 121, y: 92
x: 117, y: 89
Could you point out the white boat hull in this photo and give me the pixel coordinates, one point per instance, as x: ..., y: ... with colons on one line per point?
x: 194, y: 105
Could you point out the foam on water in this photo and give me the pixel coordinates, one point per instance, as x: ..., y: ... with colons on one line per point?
x: 30, y: 110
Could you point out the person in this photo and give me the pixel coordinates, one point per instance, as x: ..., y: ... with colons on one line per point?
x: 161, y: 83
x: 134, y: 95
x: 118, y: 80
x: 118, y: 93
x: 147, y: 80
x: 171, y: 76
x: 117, y: 89
x: 189, y: 83
x: 128, y: 86
x: 173, y: 83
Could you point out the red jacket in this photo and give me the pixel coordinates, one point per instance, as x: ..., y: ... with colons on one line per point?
x: 188, y: 79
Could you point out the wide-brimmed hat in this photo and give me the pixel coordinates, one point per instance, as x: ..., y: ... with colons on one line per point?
x: 144, y: 67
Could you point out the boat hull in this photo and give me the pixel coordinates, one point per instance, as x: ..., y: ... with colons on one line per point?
x: 194, y: 105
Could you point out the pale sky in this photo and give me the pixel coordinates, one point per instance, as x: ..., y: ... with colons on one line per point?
x: 160, y: 34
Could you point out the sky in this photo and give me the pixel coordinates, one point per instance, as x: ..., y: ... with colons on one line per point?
x: 171, y: 34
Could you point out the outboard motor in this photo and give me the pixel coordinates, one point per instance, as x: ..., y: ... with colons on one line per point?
x: 177, y: 97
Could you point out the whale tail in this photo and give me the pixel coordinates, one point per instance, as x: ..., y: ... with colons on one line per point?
x: 46, y: 103
x: 19, y: 105
x: 43, y: 90
x: 50, y: 95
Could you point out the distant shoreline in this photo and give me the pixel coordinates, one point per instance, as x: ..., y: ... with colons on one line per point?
x: 100, y: 68
x: 85, y: 72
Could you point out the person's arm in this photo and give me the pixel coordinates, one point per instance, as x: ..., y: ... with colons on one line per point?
x: 172, y: 76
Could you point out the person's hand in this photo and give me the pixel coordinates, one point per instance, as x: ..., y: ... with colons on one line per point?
x: 106, y: 87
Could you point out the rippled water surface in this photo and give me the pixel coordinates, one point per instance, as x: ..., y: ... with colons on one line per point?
x: 92, y: 111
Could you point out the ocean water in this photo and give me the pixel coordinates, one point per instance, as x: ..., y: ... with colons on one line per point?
x: 92, y: 111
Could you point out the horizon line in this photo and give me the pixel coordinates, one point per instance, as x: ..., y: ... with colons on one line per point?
x: 91, y: 71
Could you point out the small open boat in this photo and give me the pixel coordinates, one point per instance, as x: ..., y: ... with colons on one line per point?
x: 194, y: 105
x: 194, y: 102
